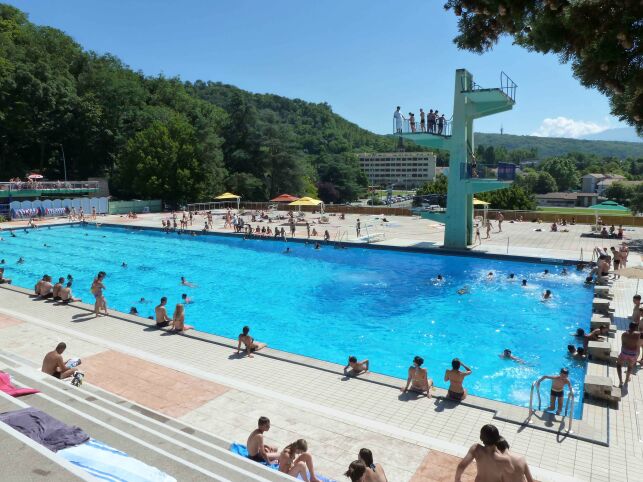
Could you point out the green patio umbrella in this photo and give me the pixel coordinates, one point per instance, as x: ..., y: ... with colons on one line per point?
x: 609, y: 206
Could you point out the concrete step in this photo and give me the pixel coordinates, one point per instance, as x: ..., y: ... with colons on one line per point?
x: 25, y: 460
x: 200, y: 442
x: 198, y: 447
x: 115, y: 432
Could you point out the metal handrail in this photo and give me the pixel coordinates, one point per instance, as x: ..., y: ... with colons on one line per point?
x: 416, y: 127
x: 508, y: 86
x: 570, y: 400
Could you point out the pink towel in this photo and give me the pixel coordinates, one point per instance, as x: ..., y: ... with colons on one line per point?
x: 8, y: 388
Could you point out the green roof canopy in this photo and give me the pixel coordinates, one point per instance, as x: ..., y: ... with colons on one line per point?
x: 609, y: 206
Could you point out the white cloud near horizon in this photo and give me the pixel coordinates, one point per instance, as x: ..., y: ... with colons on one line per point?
x: 565, y: 127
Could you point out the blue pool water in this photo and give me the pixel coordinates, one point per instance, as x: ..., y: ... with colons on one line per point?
x: 330, y: 303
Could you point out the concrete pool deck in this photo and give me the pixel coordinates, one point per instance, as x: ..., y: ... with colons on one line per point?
x: 307, y: 398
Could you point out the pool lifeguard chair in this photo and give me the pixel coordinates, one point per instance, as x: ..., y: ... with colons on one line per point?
x: 467, y: 177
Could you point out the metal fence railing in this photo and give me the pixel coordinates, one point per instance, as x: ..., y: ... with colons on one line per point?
x: 48, y: 185
x: 439, y: 127
x: 502, y: 171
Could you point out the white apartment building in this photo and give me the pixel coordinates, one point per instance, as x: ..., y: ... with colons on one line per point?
x: 402, y: 170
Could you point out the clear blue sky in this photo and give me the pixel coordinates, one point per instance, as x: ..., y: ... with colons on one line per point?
x: 363, y: 57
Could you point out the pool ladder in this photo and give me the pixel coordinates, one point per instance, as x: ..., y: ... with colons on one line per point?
x: 569, y: 405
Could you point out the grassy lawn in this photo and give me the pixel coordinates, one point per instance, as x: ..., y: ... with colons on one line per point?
x: 601, y: 212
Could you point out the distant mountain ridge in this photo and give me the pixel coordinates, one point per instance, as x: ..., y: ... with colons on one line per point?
x: 555, y: 146
x: 625, y: 134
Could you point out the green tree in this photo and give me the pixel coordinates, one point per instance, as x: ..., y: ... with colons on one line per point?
x: 563, y: 170
x: 166, y: 161
x: 636, y: 201
x: 437, y: 186
x: 545, y: 183
x: 512, y: 198
x: 602, y: 39
x: 620, y: 193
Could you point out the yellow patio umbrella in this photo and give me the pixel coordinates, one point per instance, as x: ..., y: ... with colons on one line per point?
x: 485, y: 204
x: 229, y: 196
x: 306, y: 201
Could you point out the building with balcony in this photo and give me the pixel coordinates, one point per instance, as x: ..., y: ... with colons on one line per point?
x: 402, y: 170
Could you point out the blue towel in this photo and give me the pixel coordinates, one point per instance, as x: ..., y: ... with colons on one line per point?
x: 242, y: 450
x: 107, y: 463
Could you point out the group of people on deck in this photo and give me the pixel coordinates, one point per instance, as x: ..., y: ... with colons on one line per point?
x: 432, y: 122
x: 60, y: 291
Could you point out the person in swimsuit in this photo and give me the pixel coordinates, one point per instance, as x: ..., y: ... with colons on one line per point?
x: 97, y: 290
x: 595, y: 335
x: 418, y: 378
x: 257, y: 449
x: 374, y: 472
x: 521, y: 471
x: 3, y: 279
x: 178, y: 320
x: 630, y: 341
x: 636, y: 312
x: 57, y: 287
x: 162, y: 320
x: 547, y: 295
x: 558, y: 383
x: 187, y: 283
x: 507, y: 355
x: 249, y: 342
x: 491, y: 464
x: 455, y: 378
x: 356, y: 471
x: 294, y: 459
x: 54, y: 365
x: 356, y: 367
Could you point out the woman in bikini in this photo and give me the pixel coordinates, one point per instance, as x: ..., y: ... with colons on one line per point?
x: 374, y: 472
x: 178, y: 320
x: 418, y: 378
x: 249, y: 342
x: 97, y: 290
x: 295, y: 459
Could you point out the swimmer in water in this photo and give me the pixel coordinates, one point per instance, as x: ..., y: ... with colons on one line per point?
x: 439, y: 278
x: 186, y: 299
x: 287, y: 251
x: 463, y: 291
x: 187, y: 283
x: 547, y: 295
x: 21, y: 260
x: 507, y: 355
x: 564, y: 272
x: 524, y: 282
x: 123, y: 264
x: 490, y: 275
x: 512, y: 276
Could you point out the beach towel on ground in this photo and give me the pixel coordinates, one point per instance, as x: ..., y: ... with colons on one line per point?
x: 9, y: 389
x: 44, y: 429
x: 242, y: 450
x: 107, y: 463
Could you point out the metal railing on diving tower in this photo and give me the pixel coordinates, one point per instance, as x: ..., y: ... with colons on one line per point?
x: 470, y: 102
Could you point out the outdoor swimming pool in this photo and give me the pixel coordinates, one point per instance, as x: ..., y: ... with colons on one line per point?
x: 329, y: 303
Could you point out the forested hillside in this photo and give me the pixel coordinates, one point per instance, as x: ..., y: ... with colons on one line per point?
x: 557, y: 146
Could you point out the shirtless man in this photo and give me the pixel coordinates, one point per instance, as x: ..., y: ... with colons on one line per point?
x: 418, y: 378
x: 356, y: 367
x: 491, y: 464
x: 162, y: 320
x: 257, y: 449
x: 57, y: 287
x: 521, y: 471
x: 630, y: 341
x: 3, y: 279
x: 54, y: 365
x: 249, y: 342
x: 507, y: 355
x: 558, y: 383
x: 66, y: 296
x: 44, y: 287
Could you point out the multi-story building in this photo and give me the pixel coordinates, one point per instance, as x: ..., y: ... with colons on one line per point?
x: 402, y: 170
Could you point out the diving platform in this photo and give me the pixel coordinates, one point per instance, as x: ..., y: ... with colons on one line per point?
x: 466, y: 177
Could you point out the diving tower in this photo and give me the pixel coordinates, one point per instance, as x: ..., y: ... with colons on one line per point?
x: 466, y: 177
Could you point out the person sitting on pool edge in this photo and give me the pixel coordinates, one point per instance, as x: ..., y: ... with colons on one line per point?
x: 356, y: 367
x: 162, y: 320
x: 178, y: 320
x: 55, y: 291
x: 66, y: 295
x: 455, y: 378
x: 558, y: 383
x: 249, y: 342
x: 418, y: 378
x: 4, y: 280
x: 44, y: 287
